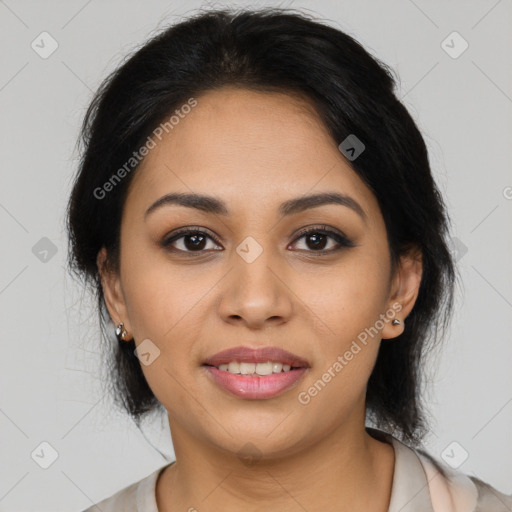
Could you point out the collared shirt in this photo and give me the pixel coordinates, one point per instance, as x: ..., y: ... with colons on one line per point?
x: 420, y: 484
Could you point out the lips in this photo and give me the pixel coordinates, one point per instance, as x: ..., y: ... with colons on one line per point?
x: 259, y: 355
x: 255, y: 386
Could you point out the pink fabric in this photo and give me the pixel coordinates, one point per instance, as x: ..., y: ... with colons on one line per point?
x: 453, y: 493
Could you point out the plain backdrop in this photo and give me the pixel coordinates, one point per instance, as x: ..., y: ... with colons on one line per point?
x: 51, y: 389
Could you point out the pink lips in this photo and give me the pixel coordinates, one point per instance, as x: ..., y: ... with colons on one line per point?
x: 256, y: 387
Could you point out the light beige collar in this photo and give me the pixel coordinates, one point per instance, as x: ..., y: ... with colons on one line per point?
x: 419, y: 486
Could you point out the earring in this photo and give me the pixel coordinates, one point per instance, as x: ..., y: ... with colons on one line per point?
x: 396, y: 322
x: 120, y: 331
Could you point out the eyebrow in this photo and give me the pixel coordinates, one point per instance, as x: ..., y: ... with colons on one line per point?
x: 210, y: 204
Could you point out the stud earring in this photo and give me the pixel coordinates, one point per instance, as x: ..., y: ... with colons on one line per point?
x: 120, y: 332
x: 396, y: 322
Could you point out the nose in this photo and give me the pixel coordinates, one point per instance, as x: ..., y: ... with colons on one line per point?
x: 256, y: 293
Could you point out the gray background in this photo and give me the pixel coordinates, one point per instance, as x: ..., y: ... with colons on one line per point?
x: 50, y: 386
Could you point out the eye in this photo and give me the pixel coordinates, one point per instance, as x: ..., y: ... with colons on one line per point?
x: 190, y: 240
x: 195, y: 239
x: 317, y: 239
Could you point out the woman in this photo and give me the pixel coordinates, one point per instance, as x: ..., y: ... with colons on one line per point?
x: 256, y: 212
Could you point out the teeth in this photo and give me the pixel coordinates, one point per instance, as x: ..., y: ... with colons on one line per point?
x: 234, y: 367
x: 247, y: 368
x: 264, y: 368
x: 255, y: 368
x: 277, y: 367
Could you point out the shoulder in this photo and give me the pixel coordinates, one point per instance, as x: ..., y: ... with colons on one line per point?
x: 490, y: 499
x: 137, y: 497
x: 462, y: 492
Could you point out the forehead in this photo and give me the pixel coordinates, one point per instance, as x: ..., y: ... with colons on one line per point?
x: 246, y: 145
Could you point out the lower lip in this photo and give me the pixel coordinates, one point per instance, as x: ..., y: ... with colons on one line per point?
x: 258, y: 387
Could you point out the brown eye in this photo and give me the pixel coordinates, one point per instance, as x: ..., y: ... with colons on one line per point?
x: 317, y: 239
x: 190, y: 240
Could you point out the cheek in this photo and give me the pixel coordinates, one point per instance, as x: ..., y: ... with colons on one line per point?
x: 161, y: 297
x: 346, y: 305
x: 338, y: 389
x: 347, y: 298
x: 165, y: 305
x: 347, y: 339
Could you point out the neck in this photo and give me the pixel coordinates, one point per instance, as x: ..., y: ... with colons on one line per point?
x: 345, y: 471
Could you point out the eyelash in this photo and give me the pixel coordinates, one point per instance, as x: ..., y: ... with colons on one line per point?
x: 340, y: 238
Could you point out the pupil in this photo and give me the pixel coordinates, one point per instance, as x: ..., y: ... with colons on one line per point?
x: 320, y: 240
x: 197, y: 244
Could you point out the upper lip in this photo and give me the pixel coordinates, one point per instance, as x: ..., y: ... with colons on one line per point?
x: 244, y: 354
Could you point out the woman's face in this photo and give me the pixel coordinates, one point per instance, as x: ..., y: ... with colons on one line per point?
x: 251, y: 278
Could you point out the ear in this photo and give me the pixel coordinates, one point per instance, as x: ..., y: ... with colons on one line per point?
x: 404, y: 290
x: 112, y: 291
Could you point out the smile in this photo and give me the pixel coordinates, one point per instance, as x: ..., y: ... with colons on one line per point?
x: 253, y: 369
x: 255, y: 373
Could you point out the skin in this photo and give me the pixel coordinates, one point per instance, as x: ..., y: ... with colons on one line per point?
x: 254, y: 151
